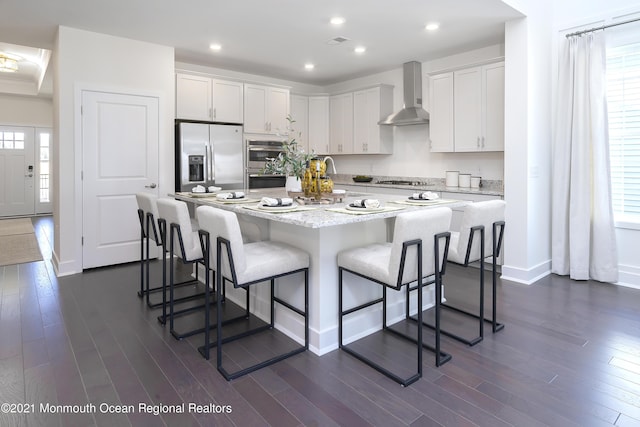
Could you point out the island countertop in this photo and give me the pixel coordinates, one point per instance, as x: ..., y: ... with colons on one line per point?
x: 314, y: 215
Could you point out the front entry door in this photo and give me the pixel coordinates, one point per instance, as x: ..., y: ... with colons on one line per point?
x: 17, y: 171
x: 120, y: 137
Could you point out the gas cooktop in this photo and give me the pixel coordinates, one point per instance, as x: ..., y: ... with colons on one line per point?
x: 400, y: 182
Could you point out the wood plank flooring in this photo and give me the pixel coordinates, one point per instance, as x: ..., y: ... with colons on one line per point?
x: 568, y: 356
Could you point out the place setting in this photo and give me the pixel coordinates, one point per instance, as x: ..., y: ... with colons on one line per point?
x: 233, y: 197
x: 278, y: 205
x: 365, y: 206
x: 423, y: 198
x: 200, y: 191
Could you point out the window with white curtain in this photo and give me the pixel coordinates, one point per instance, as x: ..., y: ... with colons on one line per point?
x: 623, y: 101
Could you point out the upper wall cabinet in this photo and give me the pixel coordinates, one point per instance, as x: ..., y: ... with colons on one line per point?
x: 467, y: 109
x: 311, y: 115
x: 208, y: 99
x: 369, y: 106
x: 265, y: 109
x: 300, y: 115
x: 319, y: 124
x: 441, y: 112
x: 341, y: 123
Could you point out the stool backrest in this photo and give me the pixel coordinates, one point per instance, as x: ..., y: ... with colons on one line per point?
x: 476, y: 214
x: 176, y: 212
x: 422, y: 224
x: 148, y: 203
x: 221, y: 223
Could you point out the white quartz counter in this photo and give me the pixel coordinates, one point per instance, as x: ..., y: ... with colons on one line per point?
x: 317, y: 215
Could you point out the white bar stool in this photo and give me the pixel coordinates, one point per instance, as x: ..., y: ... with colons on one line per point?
x: 183, y: 243
x: 418, y: 250
x: 469, y: 245
x: 149, y: 231
x: 244, y: 265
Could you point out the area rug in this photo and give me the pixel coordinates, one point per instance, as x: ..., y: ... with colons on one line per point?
x: 18, y: 243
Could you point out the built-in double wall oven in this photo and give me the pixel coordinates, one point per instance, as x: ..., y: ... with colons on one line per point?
x: 258, y: 153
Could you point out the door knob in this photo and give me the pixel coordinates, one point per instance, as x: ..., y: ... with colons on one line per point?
x: 153, y: 185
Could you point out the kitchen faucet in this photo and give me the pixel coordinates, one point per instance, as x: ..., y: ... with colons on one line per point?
x: 333, y: 163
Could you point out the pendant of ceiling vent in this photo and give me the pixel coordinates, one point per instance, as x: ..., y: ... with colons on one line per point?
x: 337, y: 40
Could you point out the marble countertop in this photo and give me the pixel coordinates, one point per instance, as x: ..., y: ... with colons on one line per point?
x: 319, y: 215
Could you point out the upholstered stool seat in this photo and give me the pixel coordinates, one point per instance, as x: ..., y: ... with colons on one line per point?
x: 471, y: 244
x: 417, y: 252
x: 245, y: 265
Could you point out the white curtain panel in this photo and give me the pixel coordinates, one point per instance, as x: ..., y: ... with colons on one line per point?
x: 583, y: 234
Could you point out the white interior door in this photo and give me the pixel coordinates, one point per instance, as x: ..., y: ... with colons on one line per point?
x: 17, y: 171
x: 120, y: 137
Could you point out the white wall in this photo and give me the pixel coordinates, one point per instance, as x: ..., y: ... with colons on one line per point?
x: 26, y: 110
x: 86, y: 60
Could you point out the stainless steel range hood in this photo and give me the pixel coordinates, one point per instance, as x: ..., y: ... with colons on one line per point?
x: 412, y: 113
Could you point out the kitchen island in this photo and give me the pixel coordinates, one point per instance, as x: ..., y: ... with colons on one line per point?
x: 322, y: 230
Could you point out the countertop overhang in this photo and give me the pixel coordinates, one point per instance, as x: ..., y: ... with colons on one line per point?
x: 318, y: 217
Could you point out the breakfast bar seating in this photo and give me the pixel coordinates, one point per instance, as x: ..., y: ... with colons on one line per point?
x: 418, y: 251
x: 245, y: 265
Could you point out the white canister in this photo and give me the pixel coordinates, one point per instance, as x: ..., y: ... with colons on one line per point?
x: 475, y: 181
x: 451, y: 179
x: 464, y: 180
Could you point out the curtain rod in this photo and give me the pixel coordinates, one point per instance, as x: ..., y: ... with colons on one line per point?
x: 590, y: 30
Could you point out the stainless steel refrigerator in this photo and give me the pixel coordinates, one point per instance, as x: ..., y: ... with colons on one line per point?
x: 209, y: 154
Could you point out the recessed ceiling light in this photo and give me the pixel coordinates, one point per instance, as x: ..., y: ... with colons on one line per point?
x: 360, y: 49
x: 432, y: 26
x: 309, y: 66
x: 337, y: 20
x: 215, y: 46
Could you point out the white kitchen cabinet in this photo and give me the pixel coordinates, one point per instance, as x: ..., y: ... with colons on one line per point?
x: 493, y: 107
x: 228, y: 101
x: 467, y: 105
x: 208, y: 99
x: 341, y: 123
x: 467, y: 109
x: 193, y: 97
x: 265, y: 109
x: 319, y: 124
x: 479, y: 108
x: 369, y: 106
x: 299, y: 105
x: 441, y: 112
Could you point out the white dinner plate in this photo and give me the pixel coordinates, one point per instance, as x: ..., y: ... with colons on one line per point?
x: 357, y: 209
x: 201, y: 194
x: 421, y: 201
x: 278, y: 208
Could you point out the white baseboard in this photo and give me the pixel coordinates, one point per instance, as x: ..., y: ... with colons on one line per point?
x: 526, y: 276
x: 628, y: 276
x: 66, y: 268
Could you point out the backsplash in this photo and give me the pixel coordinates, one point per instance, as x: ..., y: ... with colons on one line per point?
x: 487, y: 186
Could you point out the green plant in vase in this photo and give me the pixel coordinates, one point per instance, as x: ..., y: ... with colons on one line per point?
x: 292, y: 160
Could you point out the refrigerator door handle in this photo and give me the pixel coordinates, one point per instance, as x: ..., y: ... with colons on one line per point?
x: 212, y: 170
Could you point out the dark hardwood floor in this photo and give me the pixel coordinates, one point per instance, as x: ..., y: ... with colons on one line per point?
x: 568, y: 356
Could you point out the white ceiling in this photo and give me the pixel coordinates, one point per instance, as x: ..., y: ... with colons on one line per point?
x: 273, y: 38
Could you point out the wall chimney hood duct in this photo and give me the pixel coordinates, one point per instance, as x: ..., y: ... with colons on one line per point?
x: 412, y: 113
